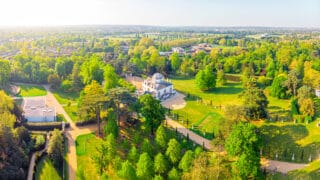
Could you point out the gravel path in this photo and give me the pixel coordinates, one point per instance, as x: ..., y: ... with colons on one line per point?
x: 71, y: 133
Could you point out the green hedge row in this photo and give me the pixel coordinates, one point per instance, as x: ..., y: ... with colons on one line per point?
x: 47, y: 126
x: 83, y: 123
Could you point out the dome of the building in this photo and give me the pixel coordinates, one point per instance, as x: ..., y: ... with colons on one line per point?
x: 157, y: 77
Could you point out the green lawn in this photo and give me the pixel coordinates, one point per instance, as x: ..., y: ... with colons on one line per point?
x: 204, y: 110
x: 68, y: 101
x: 86, y: 147
x: 65, y: 98
x: 46, y: 171
x: 27, y: 90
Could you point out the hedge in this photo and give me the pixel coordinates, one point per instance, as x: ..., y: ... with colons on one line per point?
x: 44, y: 126
x: 83, y: 123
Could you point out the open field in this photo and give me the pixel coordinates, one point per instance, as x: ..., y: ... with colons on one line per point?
x: 205, y: 110
x: 46, y: 171
x: 69, y: 102
x: 86, y: 147
x: 31, y: 90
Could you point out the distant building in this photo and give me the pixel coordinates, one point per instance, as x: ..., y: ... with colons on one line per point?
x: 178, y: 50
x: 158, y: 87
x: 167, y: 53
x: 201, y: 47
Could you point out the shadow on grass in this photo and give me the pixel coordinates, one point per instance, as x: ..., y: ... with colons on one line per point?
x: 281, y: 141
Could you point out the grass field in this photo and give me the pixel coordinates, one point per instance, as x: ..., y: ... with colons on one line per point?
x: 46, y: 171
x: 204, y: 110
x: 281, y: 137
x: 27, y: 90
x: 69, y: 102
x: 86, y: 147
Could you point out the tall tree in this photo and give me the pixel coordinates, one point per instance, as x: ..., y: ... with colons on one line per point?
x: 5, y: 70
x: 205, y: 79
x: 92, y: 101
x: 175, y: 61
x: 244, y: 144
x: 92, y: 70
x: 162, y: 137
x: 160, y: 164
x: 278, y: 88
x: 174, y: 151
x: 254, y: 100
x: 152, y: 111
x: 145, y: 167
x: 186, y: 161
x: 110, y: 78
x: 127, y: 171
x: 75, y: 77
x: 55, y: 148
x: 293, y: 82
x: 121, y: 99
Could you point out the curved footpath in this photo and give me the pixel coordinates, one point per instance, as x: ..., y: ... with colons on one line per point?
x: 71, y: 133
x: 33, y: 159
x: 271, y: 165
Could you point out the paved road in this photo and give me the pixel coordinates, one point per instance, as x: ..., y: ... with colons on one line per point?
x: 33, y: 159
x: 271, y: 165
x: 71, y: 133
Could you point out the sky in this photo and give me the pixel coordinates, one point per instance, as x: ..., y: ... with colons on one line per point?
x: 273, y: 13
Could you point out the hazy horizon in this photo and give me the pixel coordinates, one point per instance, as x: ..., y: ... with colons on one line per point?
x: 174, y: 13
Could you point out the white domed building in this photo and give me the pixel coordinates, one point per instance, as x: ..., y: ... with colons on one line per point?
x: 158, y: 87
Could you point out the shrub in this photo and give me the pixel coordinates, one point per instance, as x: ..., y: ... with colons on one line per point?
x: 66, y: 85
x: 47, y: 126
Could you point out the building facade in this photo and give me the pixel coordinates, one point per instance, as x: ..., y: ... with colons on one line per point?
x: 158, y: 87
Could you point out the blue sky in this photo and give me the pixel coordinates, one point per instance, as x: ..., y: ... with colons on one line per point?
x: 280, y: 13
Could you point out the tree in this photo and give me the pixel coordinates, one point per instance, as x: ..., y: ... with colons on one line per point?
x: 14, y: 161
x: 307, y: 107
x: 92, y: 70
x: 100, y: 158
x: 175, y: 61
x: 6, y: 104
x: 205, y: 79
x: 120, y: 96
x: 76, y: 78
x: 161, y: 137
x: 174, y: 151
x: 147, y: 147
x: 294, y: 107
x: 292, y: 82
x: 145, y: 167
x: 304, y: 92
x: 244, y: 143
x: 271, y: 69
x: 221, y: 78
x: 92, y: 101
x: 133, y: 155
x: 160, y: 164
x: 5, y: 70
x: 110, y: 78
x: 54, y: 80
x: 127, y: 171
x: 174, y: 174
x: 152, y: 111
x: 111, y: 126
x: 55, y: 148
x: 186, y: 161
x: 278, y: 88
x: 63, y: 67
x: 254, y: 101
